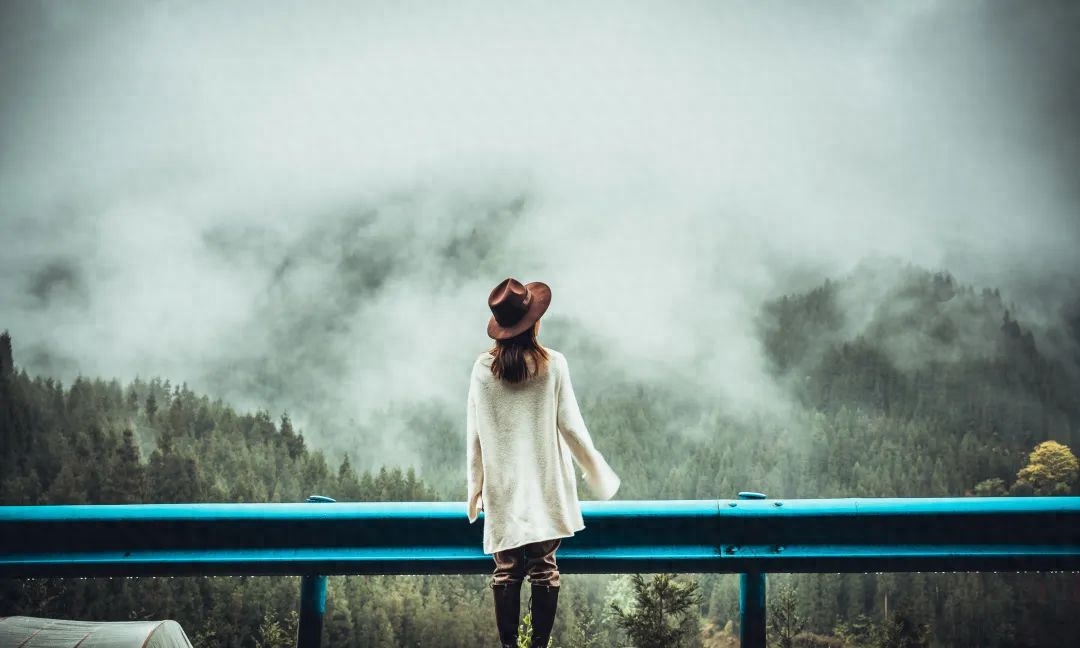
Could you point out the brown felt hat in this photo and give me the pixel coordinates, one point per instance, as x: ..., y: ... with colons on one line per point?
x: 515, y: 307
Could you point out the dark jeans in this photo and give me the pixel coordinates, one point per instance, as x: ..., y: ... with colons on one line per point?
x: 537, y: 559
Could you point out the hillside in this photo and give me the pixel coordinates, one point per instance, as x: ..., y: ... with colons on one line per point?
x: 902, y: 383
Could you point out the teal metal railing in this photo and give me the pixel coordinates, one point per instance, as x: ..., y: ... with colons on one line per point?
x: 751, y: 536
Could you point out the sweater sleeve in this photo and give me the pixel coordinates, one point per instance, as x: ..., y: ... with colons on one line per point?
x: 601, y: 479
x: 474, y: 456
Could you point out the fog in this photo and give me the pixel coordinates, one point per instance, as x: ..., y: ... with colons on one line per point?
x: 303, y: 206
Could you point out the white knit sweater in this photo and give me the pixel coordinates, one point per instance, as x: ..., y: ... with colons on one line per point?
x: 521, y: 442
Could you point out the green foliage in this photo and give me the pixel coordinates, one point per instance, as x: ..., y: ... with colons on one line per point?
x: 859, y: 632
x: 586, y: 632
x: 812, y: 640
x: 993, y: 487
x: 125, y: 476
x: 902, y: 632
x: 525, y: 631
x: 662, y: 607
x: 899, y: 631
x: 273, y: 633
x: 784, y: 621
x: 201, y: 450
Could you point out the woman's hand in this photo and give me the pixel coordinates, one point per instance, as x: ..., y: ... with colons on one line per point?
x: 479, y: 502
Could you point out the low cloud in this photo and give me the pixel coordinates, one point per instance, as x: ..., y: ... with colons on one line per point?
x: 305, y: 208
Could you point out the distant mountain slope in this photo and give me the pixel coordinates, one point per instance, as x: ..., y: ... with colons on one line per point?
x: 911, y: 343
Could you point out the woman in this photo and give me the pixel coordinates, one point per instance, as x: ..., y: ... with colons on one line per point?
x: 524, y: 432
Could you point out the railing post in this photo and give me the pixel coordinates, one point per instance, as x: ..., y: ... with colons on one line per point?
x: 751, y: 600
x: 312, y: 601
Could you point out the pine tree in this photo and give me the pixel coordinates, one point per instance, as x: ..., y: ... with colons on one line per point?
x: 784, y: 620
x: 151, y: 407
x: 657, y: 618
x: 348, y: 485
x: 125, y: 481
x: 7, y: 364
x: 294, y: 443
x: 67, y: 487
x: 902, y: 632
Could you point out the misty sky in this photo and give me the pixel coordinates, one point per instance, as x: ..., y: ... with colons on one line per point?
x: 304, y: 205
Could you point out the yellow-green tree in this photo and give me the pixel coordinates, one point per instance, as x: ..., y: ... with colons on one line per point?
x: 1052, y: 469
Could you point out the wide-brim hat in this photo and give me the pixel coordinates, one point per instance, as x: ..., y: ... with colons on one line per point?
x: 515, y: 307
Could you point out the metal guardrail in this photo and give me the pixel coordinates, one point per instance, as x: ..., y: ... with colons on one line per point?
x: 750, y: 535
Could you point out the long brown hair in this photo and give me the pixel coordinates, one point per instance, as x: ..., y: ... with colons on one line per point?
x: 509, y: 356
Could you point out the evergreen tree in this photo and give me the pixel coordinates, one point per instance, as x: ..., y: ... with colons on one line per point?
x: 7, y: 363
x: 151, y: 407
x: 294, y: 443
x: 348, y: 485
x: 125, y: 479
x: 339, y: 629
x: 902, y: 632
x: 784, y: 620
x: 660, y: 607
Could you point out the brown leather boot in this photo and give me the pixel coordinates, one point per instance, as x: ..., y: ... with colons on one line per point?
x: 507, y: 611
x: 545, y: 600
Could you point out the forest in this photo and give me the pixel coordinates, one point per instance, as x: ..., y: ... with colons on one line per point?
x: 897, y: 383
